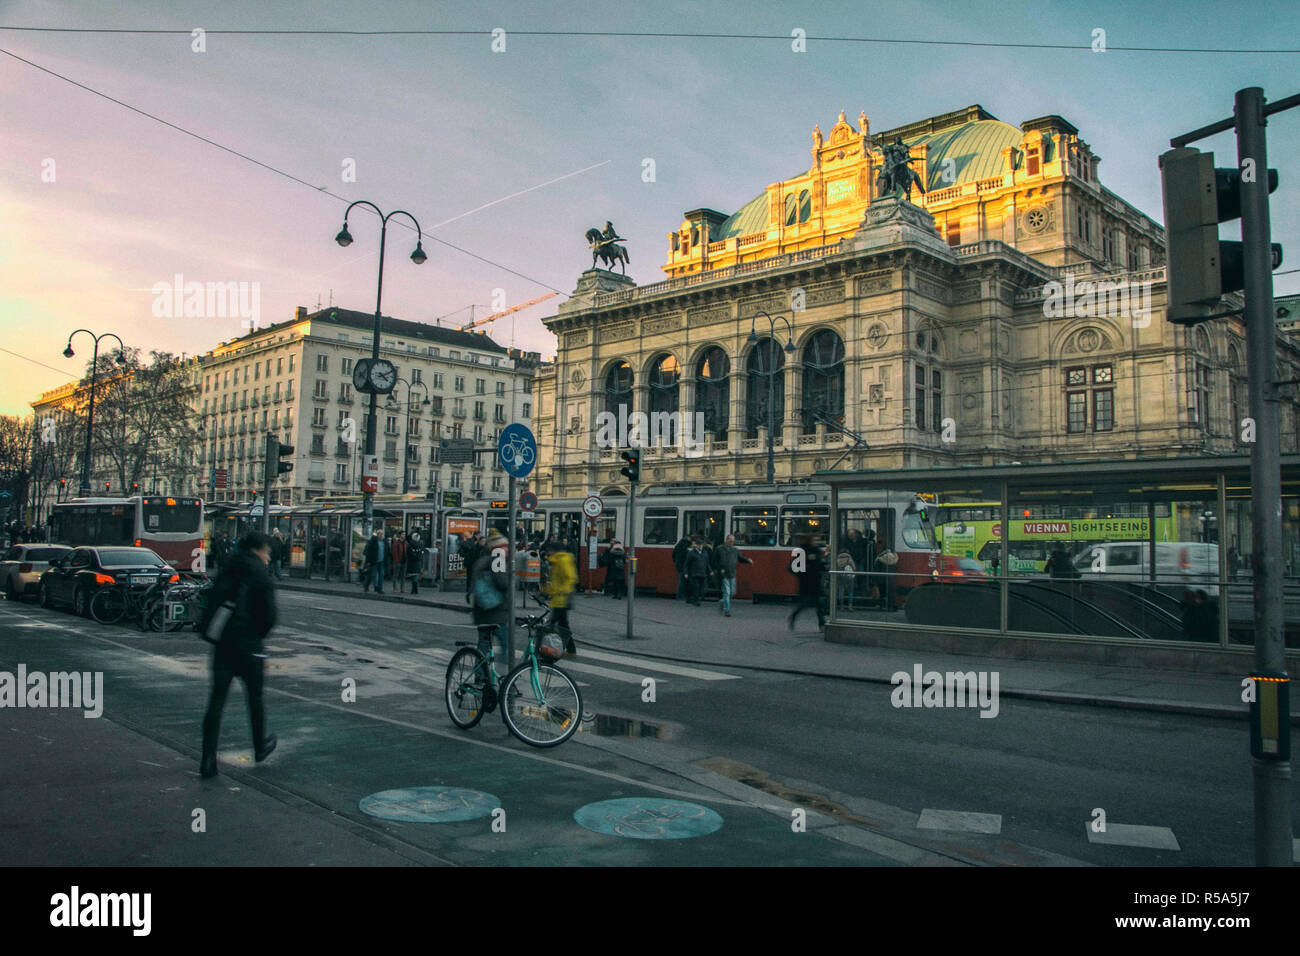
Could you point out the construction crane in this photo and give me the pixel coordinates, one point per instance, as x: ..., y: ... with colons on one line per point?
x: 472, y: 324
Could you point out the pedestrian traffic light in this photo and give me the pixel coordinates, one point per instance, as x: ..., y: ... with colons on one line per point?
x: 633, y: 469
x: 1199, y: 267
x: 274, y: 452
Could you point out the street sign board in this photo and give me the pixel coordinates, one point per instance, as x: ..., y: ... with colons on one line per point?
x: 517, y: 450
x: 457, y: 451
x: 593, y: 506
x: 451, y: 499
x: 528, y: 501
x: 370, y: 473
x: 220, y: 478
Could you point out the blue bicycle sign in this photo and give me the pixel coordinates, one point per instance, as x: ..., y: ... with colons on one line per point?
x: 517, y: 450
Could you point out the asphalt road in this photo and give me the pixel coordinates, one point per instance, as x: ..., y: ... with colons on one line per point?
x: 756, y: 744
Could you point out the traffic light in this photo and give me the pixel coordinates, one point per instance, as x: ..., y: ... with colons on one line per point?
x: 274, y: 452
x: 633, y: 469
x: 106, y: 487
x: 1199, y: 267
x: 135, y: 487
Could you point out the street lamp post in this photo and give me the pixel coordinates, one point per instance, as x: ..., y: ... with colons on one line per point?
x: 344, y: 238
x: 406, y: 428
x: 94, y: 371
x: 771, y: 381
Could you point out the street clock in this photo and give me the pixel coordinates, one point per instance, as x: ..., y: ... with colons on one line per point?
x: 374, y: 375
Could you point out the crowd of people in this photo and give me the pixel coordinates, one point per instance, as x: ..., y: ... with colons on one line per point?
x: 18, y: 533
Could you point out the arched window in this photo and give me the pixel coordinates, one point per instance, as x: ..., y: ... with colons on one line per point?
x: 791, y: 209
x: 805, y: 206
x: 713, y: 393
x: 664, y: 376
x: 823, y: 379
x: 618, y: 387
x: 763, y: 370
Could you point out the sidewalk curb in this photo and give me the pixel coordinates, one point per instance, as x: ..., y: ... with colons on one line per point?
x: 1222, y: 712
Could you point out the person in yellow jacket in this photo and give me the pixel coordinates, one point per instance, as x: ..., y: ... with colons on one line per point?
x: 561, y: 583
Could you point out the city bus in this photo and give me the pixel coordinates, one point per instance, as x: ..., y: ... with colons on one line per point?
x: 170, y: 526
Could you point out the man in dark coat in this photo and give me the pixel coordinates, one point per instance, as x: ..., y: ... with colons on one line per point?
x: 244, y: 596
x: 810, y: 581
x: 695, y: 569
x: 679, y: 563
x: 377, y: 554
x: 414, y: 561
x: 614, y: 561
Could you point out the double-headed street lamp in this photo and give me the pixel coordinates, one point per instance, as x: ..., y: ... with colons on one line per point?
x: 406, y: 428
x: 771, y: 381
x: 94, y: 371
x: 344, y: 238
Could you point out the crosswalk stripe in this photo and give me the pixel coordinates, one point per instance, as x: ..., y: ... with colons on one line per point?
x: 961, y: 821
x: 1128, y: 834
x: 623, y: 676
x: 655, y: 666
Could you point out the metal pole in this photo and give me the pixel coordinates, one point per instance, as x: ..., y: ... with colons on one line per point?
x: 90, y: 420
x: 1272, y: 778
x: 268, y: 454
x: 631, y: 555
x: 510, y: 591
x: 368, y: 497
x: 771, y: 402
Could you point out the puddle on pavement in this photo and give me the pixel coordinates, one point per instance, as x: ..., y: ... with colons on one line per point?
x: 607, y: 725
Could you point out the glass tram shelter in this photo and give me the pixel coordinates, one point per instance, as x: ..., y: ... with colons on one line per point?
x: 1139, y: 560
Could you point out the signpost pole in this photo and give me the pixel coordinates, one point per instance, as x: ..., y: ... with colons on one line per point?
x: 510, y: 591
x: 631, y: 554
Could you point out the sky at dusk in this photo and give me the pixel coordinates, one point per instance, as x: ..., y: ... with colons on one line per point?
x: 507, y: 158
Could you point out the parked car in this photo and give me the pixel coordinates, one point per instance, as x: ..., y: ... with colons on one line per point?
x: 23, y: 564
x: 1193, y: 564
x: 74, y: 579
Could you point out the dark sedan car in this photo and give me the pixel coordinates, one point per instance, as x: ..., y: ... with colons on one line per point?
x: 73, y: 580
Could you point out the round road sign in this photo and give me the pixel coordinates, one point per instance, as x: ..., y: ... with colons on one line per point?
x: 528, y: 501
x: 592, y: 506
x: 517, y: 450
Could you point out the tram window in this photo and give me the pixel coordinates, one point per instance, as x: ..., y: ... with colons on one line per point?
x: 606, y: 528
x: 660, y: 526
x: 798, y: 522
x: 709, y: 525
x: 754, y: 527
x: 918, y: 532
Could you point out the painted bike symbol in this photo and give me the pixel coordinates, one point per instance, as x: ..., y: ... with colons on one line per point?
x: 517, y: 450
x: 651, y: 822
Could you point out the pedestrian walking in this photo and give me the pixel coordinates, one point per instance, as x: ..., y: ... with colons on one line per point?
x: 696, y: 570
x: 470, y: 549
x: 240, y: 613
x: 726, y: 558
x: 376, y: 557
x: 279, y: 552
x: 414, y: 561
x: 810, y: 581
x: 680, y: 550
x: 399, y: 563
x: 614, y: 561
x: 489, y: 588
x: 563, y: 578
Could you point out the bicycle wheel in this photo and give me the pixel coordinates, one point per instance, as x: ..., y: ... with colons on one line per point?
x: 466, y: 679
x: 108, y: 606
x: 542, y: 719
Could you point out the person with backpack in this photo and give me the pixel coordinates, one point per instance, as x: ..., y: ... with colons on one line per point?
x: 414, y: 561
x: 488, y: 590
x: 563, y: 578
x: 844, y: 563
x: 240, y: 613
x: 614, y: 561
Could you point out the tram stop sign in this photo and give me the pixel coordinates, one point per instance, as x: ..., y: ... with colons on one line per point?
x: 517, y: 450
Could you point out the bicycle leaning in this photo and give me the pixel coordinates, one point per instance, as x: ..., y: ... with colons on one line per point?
x: 539, y: 702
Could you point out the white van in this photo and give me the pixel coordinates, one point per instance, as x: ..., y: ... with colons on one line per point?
x: 1194, y: 564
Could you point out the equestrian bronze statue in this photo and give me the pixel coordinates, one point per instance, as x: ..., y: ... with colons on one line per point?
x: 604, y: 246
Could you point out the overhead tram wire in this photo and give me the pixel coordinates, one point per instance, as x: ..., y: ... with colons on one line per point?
x: 643, y: 34
x: 257, y: 162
